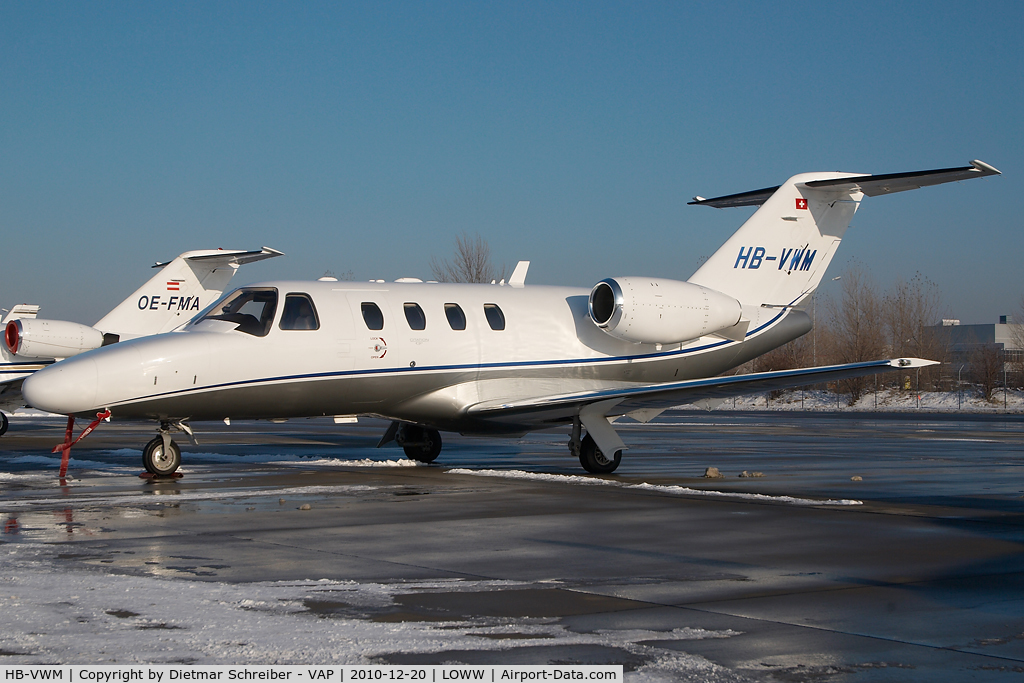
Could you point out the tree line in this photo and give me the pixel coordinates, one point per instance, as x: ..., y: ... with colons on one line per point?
x: 864, y: 322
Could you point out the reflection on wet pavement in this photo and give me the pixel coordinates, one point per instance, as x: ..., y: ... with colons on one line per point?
x: 306, y: 529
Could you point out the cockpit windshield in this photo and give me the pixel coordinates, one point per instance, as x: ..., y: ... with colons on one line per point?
x: 252, y: 309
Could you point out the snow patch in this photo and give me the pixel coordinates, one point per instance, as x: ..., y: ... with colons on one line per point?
x: 674, y: 490
x: 89, y: 617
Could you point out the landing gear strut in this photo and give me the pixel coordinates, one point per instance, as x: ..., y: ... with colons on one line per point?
x: 419, y: 443
x: 594, y: 461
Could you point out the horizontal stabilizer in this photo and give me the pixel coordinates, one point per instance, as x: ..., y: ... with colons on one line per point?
x: 235, y: 256
x: 870, y: 185
x: 20, y: 311
x: 752, y: 198
x: 875, y: 185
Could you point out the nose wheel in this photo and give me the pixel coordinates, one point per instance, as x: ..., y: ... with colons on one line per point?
x: 161, y: 457
x: 4, y: 422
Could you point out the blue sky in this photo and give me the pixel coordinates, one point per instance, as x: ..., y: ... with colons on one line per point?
x: 366, y: 136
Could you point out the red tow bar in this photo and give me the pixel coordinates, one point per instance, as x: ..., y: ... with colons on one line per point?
x: 68, y: 443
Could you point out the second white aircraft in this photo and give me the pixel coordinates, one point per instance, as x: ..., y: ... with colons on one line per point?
x: 491, y: 359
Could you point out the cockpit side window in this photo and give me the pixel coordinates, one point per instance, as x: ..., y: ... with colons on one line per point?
x: 299, y: 313
x: 252, y: 309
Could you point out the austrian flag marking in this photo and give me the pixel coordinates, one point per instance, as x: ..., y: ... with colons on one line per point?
x: 173, y: 285
x: 801, y: 203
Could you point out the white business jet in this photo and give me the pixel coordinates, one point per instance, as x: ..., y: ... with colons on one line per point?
x: 182, y: 288
x: 494, y: 359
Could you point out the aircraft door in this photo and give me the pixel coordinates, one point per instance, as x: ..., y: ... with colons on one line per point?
x: 375, y: 344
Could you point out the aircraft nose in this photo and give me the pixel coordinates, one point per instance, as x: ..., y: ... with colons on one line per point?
x: 66, y: 387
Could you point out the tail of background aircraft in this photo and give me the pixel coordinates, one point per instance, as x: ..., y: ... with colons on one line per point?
x: 181, y: 289
x: 778, y: 257
x: 20, y: 311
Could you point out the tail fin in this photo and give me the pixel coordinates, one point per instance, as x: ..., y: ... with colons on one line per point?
x: 181, y: 289
x: 779, y: 256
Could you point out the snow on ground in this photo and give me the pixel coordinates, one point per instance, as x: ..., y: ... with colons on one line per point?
x: 887, y: 401
x: 92, y: 617
x: 674, y: 490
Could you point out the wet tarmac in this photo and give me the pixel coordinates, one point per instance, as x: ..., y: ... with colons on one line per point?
x: 874, y: 547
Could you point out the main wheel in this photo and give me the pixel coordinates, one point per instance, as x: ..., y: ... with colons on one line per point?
x: 594, y: 461
x: 156, y: 461
x: 421, y: 444
x: 4, y: 423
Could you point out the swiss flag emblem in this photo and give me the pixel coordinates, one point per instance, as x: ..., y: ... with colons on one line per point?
x: 801, y: 203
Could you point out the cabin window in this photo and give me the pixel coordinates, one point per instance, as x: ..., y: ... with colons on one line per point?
x: 456, y: 316
x: 372, y: 316
x: 495, y: 318
x: 252, y: 309
x: 416, y: 318
x: 299, y: 313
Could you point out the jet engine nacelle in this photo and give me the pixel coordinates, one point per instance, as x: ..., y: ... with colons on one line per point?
x: 35, y: 338
x: 657, y: 311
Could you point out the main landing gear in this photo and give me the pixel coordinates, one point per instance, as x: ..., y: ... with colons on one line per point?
x: 419, y: 443
x: 4, y: 423
x: 591, y: 457
x: 596, y: 462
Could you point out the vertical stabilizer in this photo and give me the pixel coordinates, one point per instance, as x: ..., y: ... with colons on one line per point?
x: 182, y: 288
x: 778, y: 257
x: 780, y: 254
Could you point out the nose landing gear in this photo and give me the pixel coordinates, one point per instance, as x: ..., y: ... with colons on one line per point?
x: 161, y: 456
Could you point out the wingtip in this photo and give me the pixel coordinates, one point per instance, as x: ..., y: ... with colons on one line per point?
x: 909, y: 363
x: 986, y: 169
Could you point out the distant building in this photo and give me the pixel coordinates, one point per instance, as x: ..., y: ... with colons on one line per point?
x: 964, y: 340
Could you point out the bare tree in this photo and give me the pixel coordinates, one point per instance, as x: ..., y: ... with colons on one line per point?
x: 910, y: 310
x: 857, y: 324
x: 795, y: 354
x: 986, y: 368
x: 470, y: 263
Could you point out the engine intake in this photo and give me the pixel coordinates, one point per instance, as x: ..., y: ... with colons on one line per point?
x: 658, y: 311
x: 35, y: 338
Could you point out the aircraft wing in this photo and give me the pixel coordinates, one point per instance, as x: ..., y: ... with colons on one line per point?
x: 657, y: 397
